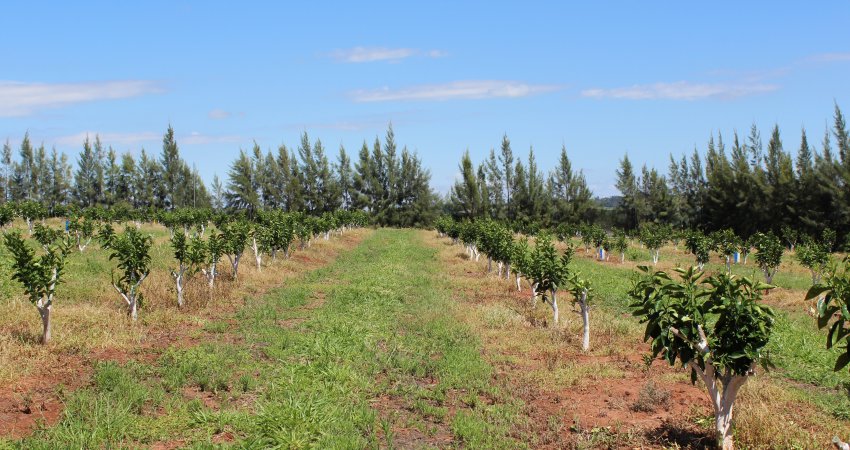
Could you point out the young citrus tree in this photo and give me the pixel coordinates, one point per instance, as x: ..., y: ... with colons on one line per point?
x: 833, y: 312
x: 715, y: 326
x: 132, y: 251
x: 215, y: 248
x: 727, y: 243
x: 190, y: 254
x: 235, y: 236
x: 581, y: 290
x: 31, y: 211
x: 814, y: 256
x: 521, y: 261
x: 620, y: 243
x: 39, y: 275
x: 550, y: 273
x: 700, y: 246
x: 791, y: 236
x: 83, y: 230
x: 653, y: 236
x: 768, y: 254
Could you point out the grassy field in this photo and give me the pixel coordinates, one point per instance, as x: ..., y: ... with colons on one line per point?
x: 386, y: 339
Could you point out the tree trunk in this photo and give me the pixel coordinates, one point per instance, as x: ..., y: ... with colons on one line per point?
x: 728, y: 264
x: 622, y: 257
x: 533, y: 295
x: 508, y: 271
x: 489, y: 264
x: 518, y: 282
x: 179, y: 278
x: 654, y: 257
x: 133, y: 306
x: 555, y: 312
x: 500, y: 266
x: 44, y: 312
x: 257, y: 254
x: 585, y: 318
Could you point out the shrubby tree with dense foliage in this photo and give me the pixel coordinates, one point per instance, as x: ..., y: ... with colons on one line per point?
x: 768, y: 254
x: 132, y: 251
x: 715, y: 326
x: 39, y: 274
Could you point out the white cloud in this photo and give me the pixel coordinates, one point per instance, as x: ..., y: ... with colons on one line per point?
x: 372, y: 54
x: 473, y: 89
x: 681, y: 90
x: 195, y: 138
x: 22, y: 99
x: 219, y: 114
x: 830, y: 57
x: 116, y: 139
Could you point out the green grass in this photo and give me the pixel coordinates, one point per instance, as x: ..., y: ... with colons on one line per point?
x: 376, y: 324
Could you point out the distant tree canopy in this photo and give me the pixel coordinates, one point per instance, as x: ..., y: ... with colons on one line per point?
x: 390, y: 185
x: 504, y: 188
x: 745, y: 188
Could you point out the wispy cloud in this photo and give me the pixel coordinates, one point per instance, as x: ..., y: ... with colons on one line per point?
x: 372, y: 54
x: 829, y: 57
x: 681, y: 90
x: 117, y: 139
x: 219, y: 114
x: 22, y: 99
x: 473, y: 89
x: 196, y: 138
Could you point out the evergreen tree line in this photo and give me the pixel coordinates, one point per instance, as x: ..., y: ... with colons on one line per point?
x: 101, y: 177
x: 502, y: 187
x: 745, y: 187
x: 390, y: 185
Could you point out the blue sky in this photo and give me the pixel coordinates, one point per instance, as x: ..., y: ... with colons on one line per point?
x: 604, y: 78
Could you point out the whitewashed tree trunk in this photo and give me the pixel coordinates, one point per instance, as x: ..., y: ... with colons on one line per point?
x: 722, y: 389
x: 508, y: 271
x: 654, y: 256
x: 839, y: 444
x: 489, y: 264
x: 210, y: 274
x: 622, y: 257
x: 555, y: 312
x: 258, y: 255
x: 728, y: 264
x: 29, y: 225
x: 533, y: 295
x: 131, y: 297
x: 585, y: 318
x: 518, y: 282
x: 179, y: 278
x: 234, y: 265
x: 500, y: 266
x: 44, y: 313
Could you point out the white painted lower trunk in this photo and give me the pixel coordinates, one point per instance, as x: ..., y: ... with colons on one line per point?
x: 622, y: 257
x: 555, y: 312
x: 500, y: 265
x: 258, y: 255
x: 654, y: 257
x: 518, y: 282
x: 179, y: 279
x: 44, y: 313
x: 533, y: 295
x: 585, y: 318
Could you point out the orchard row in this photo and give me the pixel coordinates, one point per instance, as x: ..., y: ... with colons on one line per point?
x: 39, y: 263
